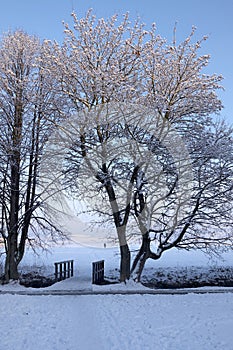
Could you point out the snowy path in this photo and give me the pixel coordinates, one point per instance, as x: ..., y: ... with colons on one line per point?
x: 113, y: 322
x: 102, y: 291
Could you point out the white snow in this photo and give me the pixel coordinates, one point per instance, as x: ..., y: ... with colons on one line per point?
x: 112, y: 322
x: 189, y: 322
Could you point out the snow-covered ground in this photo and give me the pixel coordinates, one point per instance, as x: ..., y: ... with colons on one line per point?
x: 128, y: 322
x: 135, y: 322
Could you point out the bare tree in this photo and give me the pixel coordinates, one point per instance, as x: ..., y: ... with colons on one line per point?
x: 28, y: 107
x: 99, y: 63
x: 103, y: 62
x: 198, y: 215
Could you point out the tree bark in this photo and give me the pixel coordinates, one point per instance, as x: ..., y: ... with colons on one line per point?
x: 141, y: 257
x: 119, y: 224
x: 125, y: 263
x: 11, y: 270
x: 11, y: 266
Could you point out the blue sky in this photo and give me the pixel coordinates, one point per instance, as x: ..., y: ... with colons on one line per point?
x: 212, y: 17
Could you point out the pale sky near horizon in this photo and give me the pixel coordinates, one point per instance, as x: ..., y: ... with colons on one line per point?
x: 211, y: 17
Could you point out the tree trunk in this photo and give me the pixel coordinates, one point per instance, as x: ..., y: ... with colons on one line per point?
x: 125, y: 263
x: 141, y: 257
x: 11, y: 263
x: 11, y: 266
x: 11, y: 271
x: 124, y: 250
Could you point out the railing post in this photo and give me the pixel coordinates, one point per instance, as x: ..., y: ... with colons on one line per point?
x: 56, y: 271
x: 65, y: 270
x: 93, y: 273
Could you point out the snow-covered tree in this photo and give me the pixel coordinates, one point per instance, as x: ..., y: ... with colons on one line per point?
x: 99, y: 63
x: 174, y: 82
x: 28, y: 108
x: 103, y: 62
x: 191, y: 206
